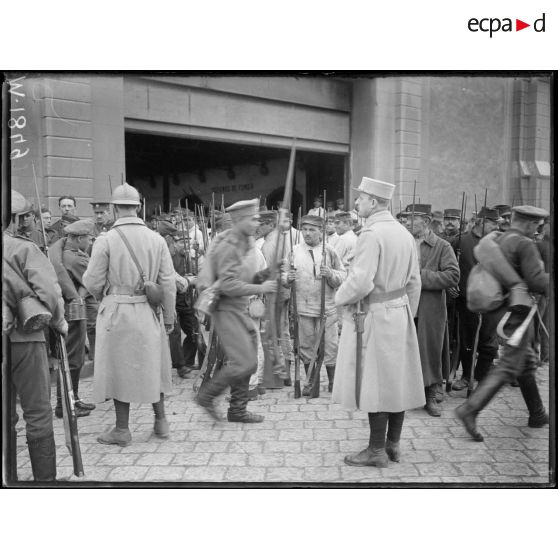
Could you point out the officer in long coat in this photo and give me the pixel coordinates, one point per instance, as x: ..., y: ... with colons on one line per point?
x: 438, y: 271
x: 231, y: 263
x: 385, y: 277
x: 27, y: 272
x: 519, y: 359
x: 132, y: 362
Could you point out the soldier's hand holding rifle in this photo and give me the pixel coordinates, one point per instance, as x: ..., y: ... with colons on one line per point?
x: 269, y: 286
x: 291, y: 275
x: 325, y: 271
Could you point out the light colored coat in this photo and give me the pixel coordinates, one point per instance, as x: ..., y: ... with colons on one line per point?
x: 385, y: 260
x: 132, y: 357
x: 345, y: 247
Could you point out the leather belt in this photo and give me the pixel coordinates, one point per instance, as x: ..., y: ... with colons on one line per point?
x: 374, y: 298
x: 123, y: 290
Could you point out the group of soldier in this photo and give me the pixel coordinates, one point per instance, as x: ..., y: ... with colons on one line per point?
x: 97, y: 276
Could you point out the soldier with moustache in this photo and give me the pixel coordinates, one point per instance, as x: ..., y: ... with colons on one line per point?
x: 438, y: 271
x: 307, y: 276
x: 231, y: 263
x: 487, y: 345
x: 27, y: 272
x: 504, y: 216
x: 69, y: 256
x: 518, y: 362
x: 452, y: 224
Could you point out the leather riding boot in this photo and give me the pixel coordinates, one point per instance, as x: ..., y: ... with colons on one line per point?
x: 42, y: 453
x: 79, y: 410
x: 286, y: 377
x: 479, y: 399
x: 432, y: 407
x: 308, y: 386
x: 530, y: 391
x: 330, y: 368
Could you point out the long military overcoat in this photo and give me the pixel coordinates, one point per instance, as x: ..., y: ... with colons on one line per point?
x: 438, y: 271
x: 132, y: 356
x: 385, y: 260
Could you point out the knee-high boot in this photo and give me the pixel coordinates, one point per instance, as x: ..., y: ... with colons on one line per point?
x: 287, y: 377
x: 479, y: 399
x: 42, y: 453
x: 530, y: 391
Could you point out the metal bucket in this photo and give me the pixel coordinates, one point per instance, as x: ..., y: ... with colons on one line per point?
x: 32, y: 314
x: 76, y: 310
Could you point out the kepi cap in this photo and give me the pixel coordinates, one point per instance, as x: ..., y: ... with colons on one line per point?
x: 80, y: 227
x: 437, y: 215
x: 375, y: 187
x: 452, y: 214
x: 503, y: 210
x: 419, y: 209
x: 487, y: 213
x: 530, y: 212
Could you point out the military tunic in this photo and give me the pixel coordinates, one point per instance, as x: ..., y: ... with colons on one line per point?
x: 385, y: 266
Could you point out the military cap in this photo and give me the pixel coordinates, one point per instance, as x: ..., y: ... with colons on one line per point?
x: 80, y: 227
x: 314, y: 220
x: 164, y: 228
x: 503, y: 210
x: 20, y: 205
x: 340, y: 200
x: 244, y: 208
x: 100, y: 205
x: 418, y: 209
x: 452, y: 214
x: 342, y: 216
x: 375, y: 187
x: 125, y: 195
x: 487, y: 213
x: 530, y: 212
x: 437, y: 215
x: 268, y: 215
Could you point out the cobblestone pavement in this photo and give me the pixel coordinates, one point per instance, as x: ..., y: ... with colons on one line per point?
x: 304, y: 441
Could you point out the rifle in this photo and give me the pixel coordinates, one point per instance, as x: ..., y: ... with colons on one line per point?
x: 271, y: 300
x: 294, y: 312
x: 68, y: 409
x: 319, y: 344
x: 69, y: 412
x: 453, y: 318
x: 213, y: 233
x: 299, y: 218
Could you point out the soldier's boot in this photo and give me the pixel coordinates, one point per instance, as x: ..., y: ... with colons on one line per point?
x: 287, y: 375
x: 161, y: 425
x: 120, y: 435
x: 432, y: 407
x: 395, y: 426
x: 330, y: 369
x: 482, y: 367
x: 42, y: 453
x: 375, y: 454
x: 479, y: 399
x: 439, y: 393
x: 239, y: 400
x: 530, y: 391
x: 92, y: 336
x: 79, y: 404
x: 80, y: 412
x: 207, y: 393
x: 307, y: 386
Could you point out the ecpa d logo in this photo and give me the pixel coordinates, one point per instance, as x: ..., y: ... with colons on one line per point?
x: 493, y: 25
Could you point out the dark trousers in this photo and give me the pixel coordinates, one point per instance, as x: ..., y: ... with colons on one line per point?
x: 190, y: 326
x: 92, y: 309
x: 238, y: 338
x: 75, y: 346
x: 176, y: 351
x: 487, y: 347
x: 31, y: 378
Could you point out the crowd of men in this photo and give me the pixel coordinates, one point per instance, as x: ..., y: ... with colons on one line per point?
x: 406, y: 276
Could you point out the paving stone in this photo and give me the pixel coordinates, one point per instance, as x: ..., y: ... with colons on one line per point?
x: 358, y: 474
x: 475, y: 468
x: 266, y: 460
x: 203, y: 435
x: 304, y: 415
x: 503, y: 479
x: 305, y: 460
x: 152, y: 459
x: 283, y: 408
x: 462, y: 479
x: 437, y: 469
x: 118, y: 459
x: 534, y: 432
x: 514, y: 469
x: 330, y: 435
x: 143, y: 447
x: 350, y: 446
x: 232, y: 436
x: 419, y: 456
x: 396, y: 470
x: 289, y: 425
x: 333, y: 415
x: 170, y: 446
x: 318, y: 424
x: 244, y: 474
x: 296, y: 435
x: 127, y: 474
x: 504, y: 444
x: 538, y: 456
x: 321, y: 474
x: 430, y: 443
x: 358, y: 433
x: 191, y: 458
x: 229, y: 459
x: 217, y: 447
x: 204, y: 474
x: 419, y: 479
x: 247, y: 447
x: 261, y: 435
x: 500, y: 431
x: 162, y: 474
x: 466, y: 443
x: 432, y: 432
x: 472, y: 454
x: 96, y: 474
x: 286, y: 447
x: 284, y: 474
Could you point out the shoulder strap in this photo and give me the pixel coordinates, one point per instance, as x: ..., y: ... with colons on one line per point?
x: 131, y: 251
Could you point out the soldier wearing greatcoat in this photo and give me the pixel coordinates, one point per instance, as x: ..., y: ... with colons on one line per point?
x: 385, y: 278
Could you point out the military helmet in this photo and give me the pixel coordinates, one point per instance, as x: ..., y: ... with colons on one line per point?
x: 20, y: 205
x: 125, y: 195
